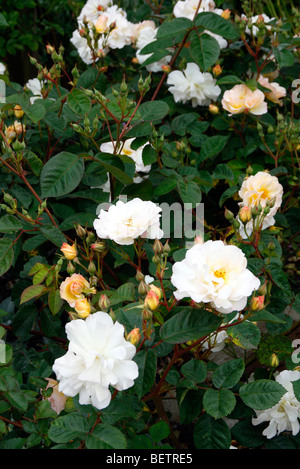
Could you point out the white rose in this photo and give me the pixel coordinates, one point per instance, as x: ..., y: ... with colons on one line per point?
x: 98, y: 356
x: 125, y: 222
x: 284, y: 416
x: 125, y: 149
x: 276, y: 91
x: 188, y: 8
x: 193, y: 85
x: 241, y: 99
x: 92, y: 9
x: 217, y: 274
x: 252, y: 21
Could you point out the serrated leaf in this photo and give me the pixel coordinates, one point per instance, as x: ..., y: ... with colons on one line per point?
x: 61, y: 174
x: 10, y: 224
x: 79, y: 102
x: 32, y: 292
x: 228, y: 373
x: 6, y: 255
x: 54, y: 301
x: 262, y: 394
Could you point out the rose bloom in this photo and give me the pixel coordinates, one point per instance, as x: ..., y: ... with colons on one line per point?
x: 214, y: 273
x: 57, y: 399
x: 193, y: 85
x: 124, y: 222
x: 92, y: 9
x: 261, y: 188
x: 276, y: 91
x: 188, y: 8
x: 2, y: 68
x: 284, y: 416
x: 73, y: 287
x: 98, y: 356
x: 241, y: 99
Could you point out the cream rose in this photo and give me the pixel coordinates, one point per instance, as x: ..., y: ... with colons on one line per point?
x: 73, y: 287
x: 215, y: 273
x: 241, y: 99
x: 276, y: 91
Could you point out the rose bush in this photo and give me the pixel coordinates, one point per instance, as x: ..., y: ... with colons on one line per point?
x: 128, y: 319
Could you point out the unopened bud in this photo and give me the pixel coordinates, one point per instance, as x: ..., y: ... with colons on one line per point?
x: 70, y: 252
x: 217, y: 70
x: 82, y: 308
x: 70, y: 268
x: 139, y: 276
x: 18, y: 111
x: 228, y: 215
x: 157, y: 246
x: 226, y: 14
x: 80, y: 231
x: 151, y: 300
x: 134, y: 336
x: 258, y: 303
x: 98, y: 247
x: 147, y: 314
x: 103, y: 302
x: 274, y: 360
x: 92, y: 268
x: 156, y: 290
x: 245, y: 214
x: 213, y: 109
x: 166, y: 68
x: 143, y: 288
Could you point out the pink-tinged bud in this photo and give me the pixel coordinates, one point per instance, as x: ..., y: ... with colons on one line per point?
x: 135, y: 60
x: 134, y: 336
x: 157, y: 291
x: 82, y: 32
x: 198, y: 240
x: 70, y: 252
x: 258, y: 303
x: 49, y: 49
x: 245, y: 214
x: 260, y: 19
x: 82, y: 308
x: 100, y: 8
x: 151, y: 300
x: 217, y: 70
x: 98, y: 247
x: 103, y: 302
x: 226, y: 14
x: 213, y: 109
x: 166, y: 68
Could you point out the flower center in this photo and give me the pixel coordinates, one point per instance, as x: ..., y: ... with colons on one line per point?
x: 127, y: 152
x: 219, y: 273
x: 128, y: 222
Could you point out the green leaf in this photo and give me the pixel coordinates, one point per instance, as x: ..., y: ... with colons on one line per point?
x: 195, y: 370
x: 68, y: 427
x: 32, y: 292
x: 106, y: 437
x: 61, y: 174
x: 189, y: 191
x: 35, y: 112
x: 262, y: 394
x: 10, y: 224
x: 217, y: 25
x: 167, y: 185
x: 54, y: 301
x: 212, y: 146
x: 296, y: 388
x: 149, y: 155
x: 246, y: 335
x: 229, y: 373
x: 204, y: 50
x: 43, y: 410
x: 189, y: 325
x: 34, y: 162
x: 218, y: 402
x: 153, y: 110
x: 17, y: 399
x: 173, y: 27
x: 146, y: 361
x: 6, y: 255
x: 114, y: 165
x: 222, y: 171
x: 79, y: 102
x: 229, y: 80
x: 211, y: 434
x: 3, y: 22
x: 54, y: 235
x: 159, y: 431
